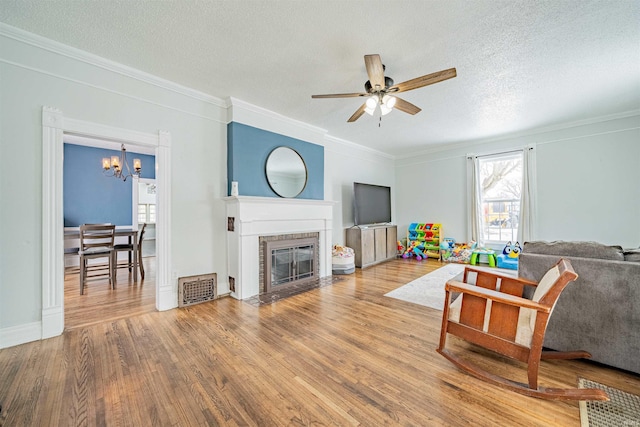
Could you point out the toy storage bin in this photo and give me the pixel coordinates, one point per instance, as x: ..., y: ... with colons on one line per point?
x: 342, y: 260
x: 460, y: 253
x: 426, y: 237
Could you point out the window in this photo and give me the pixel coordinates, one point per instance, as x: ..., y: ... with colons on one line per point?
x: 146, y: 213
x: 142, y: 213
x: 500, y: 191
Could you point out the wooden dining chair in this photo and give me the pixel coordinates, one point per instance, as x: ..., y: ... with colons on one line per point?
x: 128, y: 247
x: 492, y: 313
x: 96, y: 241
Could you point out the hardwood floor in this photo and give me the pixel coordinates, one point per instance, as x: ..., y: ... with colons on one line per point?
x: 102, y: 304
x: 339, y: 355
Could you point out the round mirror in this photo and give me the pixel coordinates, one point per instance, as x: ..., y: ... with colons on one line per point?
x: 286, y: 172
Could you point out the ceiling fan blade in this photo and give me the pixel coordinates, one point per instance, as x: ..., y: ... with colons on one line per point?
x: 359, y: 112
x: 340, y: 95
x: 375, y: 70
x: 427, y: 80
x: 407, y: 107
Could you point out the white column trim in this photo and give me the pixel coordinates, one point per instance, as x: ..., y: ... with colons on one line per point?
x: 52, y: 224
x: 166, y: 284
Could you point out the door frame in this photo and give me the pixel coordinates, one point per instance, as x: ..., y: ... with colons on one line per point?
x: 54, y: 125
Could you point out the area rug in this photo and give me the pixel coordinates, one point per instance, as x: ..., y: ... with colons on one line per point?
x: 428, y: 290
x: 623, y: 409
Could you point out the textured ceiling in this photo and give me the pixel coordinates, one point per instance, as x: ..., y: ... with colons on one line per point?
x: 521, y: 65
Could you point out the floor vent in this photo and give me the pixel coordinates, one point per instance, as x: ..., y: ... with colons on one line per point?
x: 197, y: 289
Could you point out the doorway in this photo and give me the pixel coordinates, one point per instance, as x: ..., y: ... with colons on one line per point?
x: 54, y: 124
x: 92, y: 195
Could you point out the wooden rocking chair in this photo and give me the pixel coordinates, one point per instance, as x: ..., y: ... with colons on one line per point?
x: 494, y: 315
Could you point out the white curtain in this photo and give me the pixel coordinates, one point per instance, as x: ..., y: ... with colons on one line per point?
x: 474, y: 200
x: 526, y: 229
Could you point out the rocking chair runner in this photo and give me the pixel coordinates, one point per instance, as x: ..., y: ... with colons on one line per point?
x: 493, y: 314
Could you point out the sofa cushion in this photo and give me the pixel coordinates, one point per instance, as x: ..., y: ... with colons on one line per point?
x: 575, y: 249
x: 632, y: 255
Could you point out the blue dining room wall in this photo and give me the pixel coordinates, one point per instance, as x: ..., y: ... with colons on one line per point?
x: 91, y: 197
x: 247, y: 151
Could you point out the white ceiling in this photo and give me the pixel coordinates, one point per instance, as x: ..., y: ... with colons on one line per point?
x: 521, y: 65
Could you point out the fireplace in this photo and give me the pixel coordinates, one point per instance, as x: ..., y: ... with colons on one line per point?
x: 255, y: 222
x: 288, y: 260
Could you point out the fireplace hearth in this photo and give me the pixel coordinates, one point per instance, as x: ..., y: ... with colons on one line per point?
x: 258, y: 220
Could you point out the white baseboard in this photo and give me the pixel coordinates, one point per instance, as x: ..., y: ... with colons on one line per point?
x: 52, y: 322
x: 21, y: 334
x: 167, y: 298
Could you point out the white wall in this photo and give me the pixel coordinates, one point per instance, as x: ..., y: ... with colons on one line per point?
x: 587, y: 182
x: 346, y: 163
x: 432, y: 190
x: 33, y: 75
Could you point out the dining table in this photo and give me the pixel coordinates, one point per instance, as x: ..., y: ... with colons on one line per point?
x: 129, y: 232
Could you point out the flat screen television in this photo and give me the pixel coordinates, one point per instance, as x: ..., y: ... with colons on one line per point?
x: 371, y: 204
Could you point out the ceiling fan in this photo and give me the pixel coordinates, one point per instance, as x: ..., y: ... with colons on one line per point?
x: 380, y: 89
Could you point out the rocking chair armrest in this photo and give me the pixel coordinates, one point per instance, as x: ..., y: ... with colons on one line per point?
x: 502, y: 276
x: 465, y: 288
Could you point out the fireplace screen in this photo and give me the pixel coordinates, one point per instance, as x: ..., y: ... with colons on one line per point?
x: 290, y: 262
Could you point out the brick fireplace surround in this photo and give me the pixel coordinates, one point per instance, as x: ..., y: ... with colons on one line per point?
x: 253, y: 217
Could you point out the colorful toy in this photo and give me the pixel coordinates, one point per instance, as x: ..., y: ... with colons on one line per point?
x: 512, y: 251
x: 447, y: 243
x: 509, y: 256
x: 419, y: 254
x: 414, y: 248
x: 456, y: 252
x: 490, y: 253
x: 408, y: 252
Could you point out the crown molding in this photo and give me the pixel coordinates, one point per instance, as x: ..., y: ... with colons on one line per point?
x: 234, y: 103
x: 353, y: 145
x: 98, y: 61
x: 530, y: 132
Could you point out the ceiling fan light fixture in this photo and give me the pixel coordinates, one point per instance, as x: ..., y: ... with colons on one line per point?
x: 369, y: 111
x: 389, y: 101
x: 372, y: 101
x: 384, y: 109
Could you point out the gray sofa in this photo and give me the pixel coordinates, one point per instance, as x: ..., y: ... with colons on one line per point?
x: 600, y: 311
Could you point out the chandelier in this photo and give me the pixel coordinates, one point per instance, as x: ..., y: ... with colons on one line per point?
x: 114, y: 166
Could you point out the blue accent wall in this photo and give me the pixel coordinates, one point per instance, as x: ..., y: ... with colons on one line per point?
x: 90, y: 196
x: 247, y: 152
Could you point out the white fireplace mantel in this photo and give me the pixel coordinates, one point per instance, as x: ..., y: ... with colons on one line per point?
x: 269, y: 216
